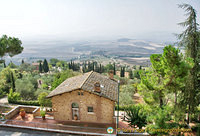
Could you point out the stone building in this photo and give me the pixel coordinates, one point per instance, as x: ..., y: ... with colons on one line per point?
x: 126, y: 74
x: 87, y: 98
x: 36, y: 65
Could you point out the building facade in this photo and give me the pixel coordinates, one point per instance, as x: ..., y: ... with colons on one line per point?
x: 87, y: 98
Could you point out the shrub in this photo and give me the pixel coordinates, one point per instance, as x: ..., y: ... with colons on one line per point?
x: 13, y: 96
x: 42, y: 113
x: 160, y: 117
x: 125, y: 98
x: 26, y: 87
x: 45, y: 86
x: 6, y: 80
x: 2, y: 94
x: 43, y: 101
x: 33, y: 103
x: 39, y: 91
x: 60, y: 77
x: 136, y: 116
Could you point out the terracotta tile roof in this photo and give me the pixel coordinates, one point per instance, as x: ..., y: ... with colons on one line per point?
x: 86, y: 82
x: 35, y: 64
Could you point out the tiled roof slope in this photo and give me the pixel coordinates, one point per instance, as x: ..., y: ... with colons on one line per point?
x: 86, y: 82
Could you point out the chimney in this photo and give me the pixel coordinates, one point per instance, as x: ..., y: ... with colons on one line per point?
x: 111, y: 74
x: 97, y: 87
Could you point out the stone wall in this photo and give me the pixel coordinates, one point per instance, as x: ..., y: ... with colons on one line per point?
x: 12, y: 113
x: 36, y: 112
x: 103, y: 107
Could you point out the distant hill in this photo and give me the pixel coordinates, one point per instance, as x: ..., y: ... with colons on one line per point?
x: 124, y: 49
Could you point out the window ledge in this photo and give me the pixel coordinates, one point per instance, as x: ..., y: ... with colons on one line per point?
x: 91, y: 113
x: 76, y: 120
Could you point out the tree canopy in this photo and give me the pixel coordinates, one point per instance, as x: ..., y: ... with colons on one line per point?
x: 10, y: 46
x: 167, y: 75
x: 189, y: 39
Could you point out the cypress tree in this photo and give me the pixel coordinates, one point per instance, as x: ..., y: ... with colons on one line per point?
x: 4, y: 64
x: 22, y: 61
x: 130, y: 74
x: 69, y: 65
x: 73, y: 66
x: 114, y: 70
x: 85, y: 67
x: 92, y: 66
x: 13, y: 81
x: 45, y: 66
x: 100, y: 69
x: 40, y: 67
x: 97, y: 69
x: 190, y: 40
x: 121, y: 72
x: 89, y: 66
x: 78, y: 67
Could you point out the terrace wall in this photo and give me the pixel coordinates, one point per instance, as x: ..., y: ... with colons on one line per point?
x: 28, y: 109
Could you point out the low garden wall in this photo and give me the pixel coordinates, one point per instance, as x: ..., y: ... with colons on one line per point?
x: 28, y: 109
x: 36, y: 112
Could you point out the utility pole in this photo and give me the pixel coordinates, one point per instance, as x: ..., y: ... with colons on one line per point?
x: 118, y: 108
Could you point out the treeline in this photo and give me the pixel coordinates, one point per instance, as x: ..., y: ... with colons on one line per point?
x: 74, y: 66
x: 98, y: 67
x: 93, y: 66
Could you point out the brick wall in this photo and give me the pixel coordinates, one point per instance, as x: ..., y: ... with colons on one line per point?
x: 103, y: 107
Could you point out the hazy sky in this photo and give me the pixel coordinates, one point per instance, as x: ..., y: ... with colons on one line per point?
x: 87, y: 19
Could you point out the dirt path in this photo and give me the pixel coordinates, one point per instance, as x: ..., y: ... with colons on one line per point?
x: 4, y: 100
x: 137, y: 98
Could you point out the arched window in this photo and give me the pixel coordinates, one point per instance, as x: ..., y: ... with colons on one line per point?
x: 75, y: 111
x: 74, y: 105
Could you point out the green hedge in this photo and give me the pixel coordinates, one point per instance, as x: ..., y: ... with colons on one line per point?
x: 121, y: 108
x: 33, y: 103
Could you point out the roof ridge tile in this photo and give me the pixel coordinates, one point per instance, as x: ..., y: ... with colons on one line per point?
x: 86, y: 79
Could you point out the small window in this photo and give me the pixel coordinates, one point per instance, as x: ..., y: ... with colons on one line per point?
x: 90, y: 109
x: 79, y: 93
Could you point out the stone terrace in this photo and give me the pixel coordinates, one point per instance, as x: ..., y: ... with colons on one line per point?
x: 49, y: 123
